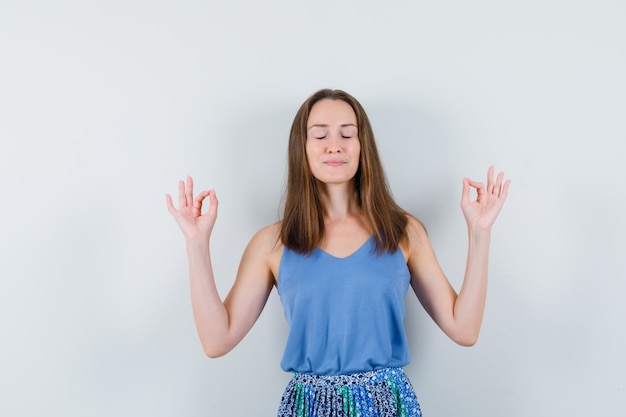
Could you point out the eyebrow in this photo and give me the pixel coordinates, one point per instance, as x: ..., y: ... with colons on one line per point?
x: 325, y: 125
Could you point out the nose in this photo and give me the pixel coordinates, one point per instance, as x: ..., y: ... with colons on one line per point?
x: 334, y: 144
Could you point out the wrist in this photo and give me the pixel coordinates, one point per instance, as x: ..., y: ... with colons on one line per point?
x: 199, y: 242
x: 479, y: 231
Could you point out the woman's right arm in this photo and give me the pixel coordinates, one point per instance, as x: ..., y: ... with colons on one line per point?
x: 221, y: 325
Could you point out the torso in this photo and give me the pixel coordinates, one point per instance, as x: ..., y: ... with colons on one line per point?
x: 343, y: 303
x: 341, y: 240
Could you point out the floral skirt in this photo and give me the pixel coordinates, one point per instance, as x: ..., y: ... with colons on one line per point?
x: 382, y: 393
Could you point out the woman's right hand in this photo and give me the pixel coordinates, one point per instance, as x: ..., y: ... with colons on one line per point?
x: 193, y: 223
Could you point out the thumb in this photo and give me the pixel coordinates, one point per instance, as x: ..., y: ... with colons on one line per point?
x: 170, y: 204
x: 213, y: 203
x: 465, y: 195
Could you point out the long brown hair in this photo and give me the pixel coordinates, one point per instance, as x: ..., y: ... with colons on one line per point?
x: 302, y: 227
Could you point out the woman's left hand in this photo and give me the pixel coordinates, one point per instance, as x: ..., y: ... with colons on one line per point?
x: 482, y: 212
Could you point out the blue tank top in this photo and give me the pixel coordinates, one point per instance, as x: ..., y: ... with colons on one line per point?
x: 345, y: 314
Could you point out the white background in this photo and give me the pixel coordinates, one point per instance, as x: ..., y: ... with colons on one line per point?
x: 104, y: 105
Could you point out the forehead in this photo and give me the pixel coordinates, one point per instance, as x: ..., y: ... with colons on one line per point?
x: 331, y: 112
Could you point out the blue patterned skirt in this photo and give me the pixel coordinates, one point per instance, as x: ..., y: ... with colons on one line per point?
x: 382, y: 393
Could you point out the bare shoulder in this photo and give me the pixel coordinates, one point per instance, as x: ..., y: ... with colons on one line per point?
x: 266, y: 243
x: 416, y: 236
x: 415, y: 228
x: 267, y: 237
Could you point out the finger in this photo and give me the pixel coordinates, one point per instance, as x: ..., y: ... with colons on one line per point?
x: 189, y: 191
x: 490, y: 182
x: 197, y: 202
x: 214, y: 203
x: 480, y: 187
x: 465, y: 194
x: 182, y: 202
x: 505, y: 190
x: 480, y: 190
x: 497, y: 190
x: 467, y: 186
x: 169, y: 203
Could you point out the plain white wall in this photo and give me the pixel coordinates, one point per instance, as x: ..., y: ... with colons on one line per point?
x: 104, y: 105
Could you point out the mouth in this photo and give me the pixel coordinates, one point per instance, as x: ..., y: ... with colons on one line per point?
x: 334, y: 163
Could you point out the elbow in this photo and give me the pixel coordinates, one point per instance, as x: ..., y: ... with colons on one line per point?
x: 466, y: 339
x: 215, y: 352
x: 467, y: 342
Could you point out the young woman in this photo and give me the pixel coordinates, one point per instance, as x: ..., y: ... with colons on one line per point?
x: 342, y: 259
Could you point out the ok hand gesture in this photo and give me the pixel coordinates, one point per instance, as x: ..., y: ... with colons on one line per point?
x: 482, y: 212
x: 189, y: 216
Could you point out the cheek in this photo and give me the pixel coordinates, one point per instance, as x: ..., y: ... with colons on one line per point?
x: 356, y: 148
x: 312, y: 148
x: 309, y: 153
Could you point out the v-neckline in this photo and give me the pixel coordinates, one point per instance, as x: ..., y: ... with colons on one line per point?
x: 363, y: 245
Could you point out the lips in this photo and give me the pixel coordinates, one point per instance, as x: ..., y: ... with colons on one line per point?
x: 334, y: 163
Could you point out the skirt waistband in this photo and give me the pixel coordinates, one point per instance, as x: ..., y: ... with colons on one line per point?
x: 361, y: 378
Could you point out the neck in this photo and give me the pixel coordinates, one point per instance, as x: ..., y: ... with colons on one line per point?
x: 339, y: 201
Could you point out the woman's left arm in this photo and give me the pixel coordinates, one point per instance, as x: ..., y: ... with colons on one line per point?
x: 459, y: 315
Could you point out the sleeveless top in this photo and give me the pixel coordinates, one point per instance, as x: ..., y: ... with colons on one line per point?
x: 345, y: 314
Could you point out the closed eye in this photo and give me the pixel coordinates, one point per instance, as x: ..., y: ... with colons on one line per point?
x: 348, y: 131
